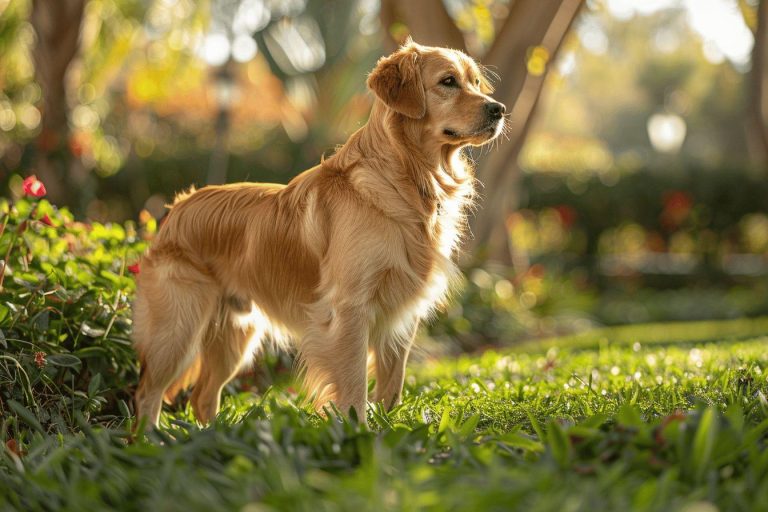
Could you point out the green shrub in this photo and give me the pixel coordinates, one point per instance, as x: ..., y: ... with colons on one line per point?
x: 64, y: 317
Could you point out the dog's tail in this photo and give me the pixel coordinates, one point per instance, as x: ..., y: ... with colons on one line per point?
x: 184, y: 381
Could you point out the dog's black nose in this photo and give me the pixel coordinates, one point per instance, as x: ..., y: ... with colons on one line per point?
x: 495, y: 110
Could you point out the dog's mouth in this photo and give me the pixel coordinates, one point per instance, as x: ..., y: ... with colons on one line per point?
x: 490, y: 130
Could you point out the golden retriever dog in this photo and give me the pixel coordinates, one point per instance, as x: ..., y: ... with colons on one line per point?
x: 345, y: 260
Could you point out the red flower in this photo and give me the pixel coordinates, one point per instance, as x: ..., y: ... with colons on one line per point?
x: 134, y: 269
x: 33, y: 187
x: 45, y: 219
x: 40, y: 359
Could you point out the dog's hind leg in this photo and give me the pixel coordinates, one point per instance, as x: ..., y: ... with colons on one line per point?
x: 232, y: 334
x: 173, y: 306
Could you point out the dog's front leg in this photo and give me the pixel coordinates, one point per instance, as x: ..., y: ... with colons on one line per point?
x: 391, y: 351
x: 334, y: 354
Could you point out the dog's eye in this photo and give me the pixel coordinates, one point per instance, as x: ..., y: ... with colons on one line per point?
x: 449, y: 81
x: 477, y: 82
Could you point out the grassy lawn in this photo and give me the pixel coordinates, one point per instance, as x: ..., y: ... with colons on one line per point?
x: 656, y: 417
x: 648, y: 417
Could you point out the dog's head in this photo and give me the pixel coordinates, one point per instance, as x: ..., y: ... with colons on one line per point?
x: 443, y: 90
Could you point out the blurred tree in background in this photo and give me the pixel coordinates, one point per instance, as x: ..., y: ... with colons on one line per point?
x: 516, y: 41
x: 57, y: 32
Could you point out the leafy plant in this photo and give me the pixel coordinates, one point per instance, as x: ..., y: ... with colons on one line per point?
x: 64, y: 316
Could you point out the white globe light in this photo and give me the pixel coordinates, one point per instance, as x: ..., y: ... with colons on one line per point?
x: 667, y: 132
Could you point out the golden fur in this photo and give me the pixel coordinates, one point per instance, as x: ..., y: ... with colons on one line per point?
x: 345, y: 259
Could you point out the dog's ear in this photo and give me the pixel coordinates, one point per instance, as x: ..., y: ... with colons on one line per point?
x: 396, y: 80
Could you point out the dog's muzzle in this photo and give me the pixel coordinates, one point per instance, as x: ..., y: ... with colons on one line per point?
x: 494, y: 110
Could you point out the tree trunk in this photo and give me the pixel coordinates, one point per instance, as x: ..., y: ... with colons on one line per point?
x: 426, y: 20
x: 57, y: 27
x: 757, y: 113
x: 530, y: 24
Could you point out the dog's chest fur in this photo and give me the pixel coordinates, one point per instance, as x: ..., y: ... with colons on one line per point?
x: 420, y: 270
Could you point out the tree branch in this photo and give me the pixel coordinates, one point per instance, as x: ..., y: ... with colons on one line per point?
x: 499, y: 172
x: 428, y: 22
x: 530, y: 23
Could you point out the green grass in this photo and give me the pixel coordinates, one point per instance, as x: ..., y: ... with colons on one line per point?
x: 614, y: 419
x: 647, y: 417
